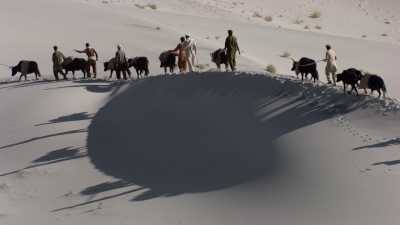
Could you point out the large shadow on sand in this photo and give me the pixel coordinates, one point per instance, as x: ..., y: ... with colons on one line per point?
x: 199, y: 133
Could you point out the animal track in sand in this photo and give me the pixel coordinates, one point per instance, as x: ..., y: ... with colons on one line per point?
x: 345, y: 124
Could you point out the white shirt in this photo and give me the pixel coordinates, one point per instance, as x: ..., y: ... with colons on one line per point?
x: 191, y: 46
x: 331, y: 57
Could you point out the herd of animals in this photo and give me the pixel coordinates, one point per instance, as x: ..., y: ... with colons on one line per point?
x: 304, y: 67
x: 353, y: 77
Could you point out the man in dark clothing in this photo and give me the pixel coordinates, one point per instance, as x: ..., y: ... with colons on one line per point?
x: 92, y: 58
x: 231, y: 47
x: 58, y: 59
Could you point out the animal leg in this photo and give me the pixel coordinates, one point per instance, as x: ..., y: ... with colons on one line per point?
x: 355, y: 88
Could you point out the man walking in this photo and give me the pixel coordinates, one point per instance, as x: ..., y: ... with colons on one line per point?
x: 331, y: 66
x: 58, y: 59
x: 191, y: 52
x: 121, y: 63
x: 180, y: 51
x: 231, y: 47
x: 92, y: 58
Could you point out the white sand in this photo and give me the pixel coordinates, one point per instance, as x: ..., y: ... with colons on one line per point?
x: 215, y: 148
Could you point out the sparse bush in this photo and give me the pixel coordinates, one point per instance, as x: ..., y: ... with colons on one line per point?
x: 306, y: 27
x: 285, y: 55
x: 104, y: 2
x: 384, y: 35
x: 318, y: 27
x: 152, y: 6
x: 315, y: 14
x: 257, y: 15
x: 217, y: 37
x: 268, y: 18
x: 364, y: 36
x: 271, y: 69
x: 158, y: 28
x: 140, y: 6
x: 298, y: 21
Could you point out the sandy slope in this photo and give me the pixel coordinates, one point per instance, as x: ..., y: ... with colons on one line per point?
x: 214, y: 148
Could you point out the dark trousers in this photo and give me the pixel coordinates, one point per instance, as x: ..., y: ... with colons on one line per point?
x: 122, y: 67
x: 91, y: 63
x: 57, y: 70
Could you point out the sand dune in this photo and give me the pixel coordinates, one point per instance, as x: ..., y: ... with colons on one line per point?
x: 204, y: 148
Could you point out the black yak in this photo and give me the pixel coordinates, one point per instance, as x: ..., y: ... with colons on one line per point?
x: 219, y: 57
x: 141, y: 65
x: 75, y: 64
x: 110, y: 65
x: 26, y: 67
x: 376, y: 83
x: 168, y: 60
x: 304, y: 67
x: 349, y: 77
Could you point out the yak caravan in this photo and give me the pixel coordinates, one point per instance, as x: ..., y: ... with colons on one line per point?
x: 186, y: 52
x: 150, y: 112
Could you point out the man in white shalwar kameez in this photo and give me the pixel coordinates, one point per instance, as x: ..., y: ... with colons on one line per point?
x: 331, y: 66
x: 191, y: 52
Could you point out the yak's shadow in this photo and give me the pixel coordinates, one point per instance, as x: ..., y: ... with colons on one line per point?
x: 189, y: 134
x: 384, y: 144
x: 69, y: 118
x: 53, y: 157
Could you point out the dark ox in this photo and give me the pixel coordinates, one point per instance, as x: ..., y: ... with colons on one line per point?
x: 110, y: 65
x: 349, y: 77
x: 304, y: 67
x: 71, y: 64
x: 26, y: 67
x: 141, y: 65
x: 376, y: 83
x: 219, y: 57
x: 168, y: 60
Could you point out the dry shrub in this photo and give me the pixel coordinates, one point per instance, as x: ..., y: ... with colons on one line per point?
x: 268, y: 18
x: 152, y: 6
x: 257, y: 15
x: 271, y: 69
x: 315, y: 14
x: 285, y: 55
x: 298, y: 21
